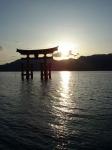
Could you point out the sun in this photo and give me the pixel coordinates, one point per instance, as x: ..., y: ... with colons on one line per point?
x: 67, y: 50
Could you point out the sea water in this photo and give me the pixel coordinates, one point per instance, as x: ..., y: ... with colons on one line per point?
x: 71, y: 111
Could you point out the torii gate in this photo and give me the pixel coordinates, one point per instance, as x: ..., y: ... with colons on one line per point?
x: 27, y: 68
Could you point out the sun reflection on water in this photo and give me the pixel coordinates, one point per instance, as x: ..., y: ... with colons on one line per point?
x: 62, y: 109
x: 64, y: 89
x: 65, y: 77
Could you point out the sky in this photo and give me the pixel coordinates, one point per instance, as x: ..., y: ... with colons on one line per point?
x: 35, y: 24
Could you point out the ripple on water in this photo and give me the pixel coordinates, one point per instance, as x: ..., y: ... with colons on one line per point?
x: 72, y: 111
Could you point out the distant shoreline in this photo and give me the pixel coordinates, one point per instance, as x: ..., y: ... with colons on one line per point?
x: 102, y: 62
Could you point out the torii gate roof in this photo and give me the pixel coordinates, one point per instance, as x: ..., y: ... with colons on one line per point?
x: 37, y: 51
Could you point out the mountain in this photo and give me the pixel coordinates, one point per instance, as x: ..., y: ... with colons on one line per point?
x: 83, y: 63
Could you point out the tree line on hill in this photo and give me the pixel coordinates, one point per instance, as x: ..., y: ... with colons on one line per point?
x: 83, y: 63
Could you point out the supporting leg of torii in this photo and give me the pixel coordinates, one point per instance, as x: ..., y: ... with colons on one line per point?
x: 27, y: 69
x: 45, y: 71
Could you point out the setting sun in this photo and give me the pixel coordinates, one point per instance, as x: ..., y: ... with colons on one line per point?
x: 67, y: 50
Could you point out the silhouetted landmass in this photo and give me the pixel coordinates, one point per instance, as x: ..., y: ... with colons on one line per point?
x: 84, y: 63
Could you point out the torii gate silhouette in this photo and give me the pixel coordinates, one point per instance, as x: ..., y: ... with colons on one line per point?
x: 27, y: 67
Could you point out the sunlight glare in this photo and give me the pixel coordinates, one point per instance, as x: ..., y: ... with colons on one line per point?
x: 64, y: 91
x: 64, y: 48
x: 67, y: 50
x: 65, y: 76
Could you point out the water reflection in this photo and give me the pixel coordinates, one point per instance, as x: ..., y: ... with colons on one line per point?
x: 65, y: 77
x: 49, y: 107
x: 62, y: 109
x: 64, y: 91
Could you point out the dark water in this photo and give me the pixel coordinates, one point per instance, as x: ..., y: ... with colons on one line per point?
x: 72, y: 111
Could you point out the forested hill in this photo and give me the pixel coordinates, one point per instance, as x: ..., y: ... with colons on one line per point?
x: 86, y: 63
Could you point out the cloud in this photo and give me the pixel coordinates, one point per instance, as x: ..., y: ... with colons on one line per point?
x: 1, y: 48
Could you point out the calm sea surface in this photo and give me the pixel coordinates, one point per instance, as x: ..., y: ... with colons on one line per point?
x: 72, y: 111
